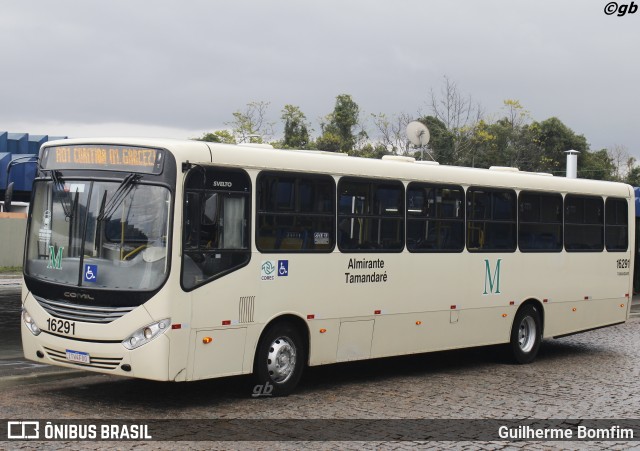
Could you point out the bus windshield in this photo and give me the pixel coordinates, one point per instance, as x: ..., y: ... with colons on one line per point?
x: 99, y: 234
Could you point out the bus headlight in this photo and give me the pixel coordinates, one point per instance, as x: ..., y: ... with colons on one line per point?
x: 145, y: 334
x: 30, y: 323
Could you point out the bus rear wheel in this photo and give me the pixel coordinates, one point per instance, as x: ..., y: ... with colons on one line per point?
x: 279, y: 361
x: 526, y: 335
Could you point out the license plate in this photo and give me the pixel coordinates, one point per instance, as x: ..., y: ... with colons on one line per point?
x: 78, y: 357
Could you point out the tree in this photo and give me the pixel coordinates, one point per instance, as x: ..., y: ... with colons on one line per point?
x: 441, y: 141
x: 392, y: 132
x: 373, y: 151
x: 596, y: 165
x: 622, y: 161
x: 219, y: 136
x: 459, y: 114
x: 553, y: 139
x: 251, y: 124
x: 340, y: 123
x: 329, y: 142
x: 296, y: 128
x: 633, y: 176
x: 509, y: 141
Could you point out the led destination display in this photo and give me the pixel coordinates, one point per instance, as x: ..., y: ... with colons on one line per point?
x: 114, y: 158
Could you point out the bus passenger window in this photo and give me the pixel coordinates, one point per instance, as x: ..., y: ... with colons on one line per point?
x: 540, y: 222
x: 491, y: 220
x: 583, y: 223
x: 371, y: 215
x: 295, y: 212
x: 617, y: 225
x: 435, y: 218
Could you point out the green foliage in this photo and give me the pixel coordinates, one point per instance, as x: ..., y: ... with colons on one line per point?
x: 633, y: 176
x: 441, y: 142
x: 535, y: 146
x: 219, y: 136
x: 340, y: 124
x: 329, y: 142
x: 296, y: 128
x: 596, y: 165
x: 554, y: 139
x: 459, y: 136
x: 251, y: 125
x: 371, y: 151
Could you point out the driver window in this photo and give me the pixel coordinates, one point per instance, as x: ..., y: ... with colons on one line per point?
x: 216, y: 224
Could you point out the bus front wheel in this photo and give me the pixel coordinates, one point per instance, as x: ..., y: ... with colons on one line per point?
x: 279, y: 361
x: 526, y: 335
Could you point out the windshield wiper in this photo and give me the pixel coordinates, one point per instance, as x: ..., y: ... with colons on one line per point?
x: 118, y: 196
x: 65, y: 198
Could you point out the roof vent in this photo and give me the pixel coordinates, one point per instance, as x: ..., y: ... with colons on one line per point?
x: 317, y: 152
x: 258, y: 145
x: 399, y: 158
x: 504, y: 169
x: 428, y: 163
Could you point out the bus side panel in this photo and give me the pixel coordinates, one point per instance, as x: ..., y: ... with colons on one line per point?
x: 591, y: 291
x: 323, y: 339
x: 568, y: 317
x: 219, y: 352
x: 435, y: 331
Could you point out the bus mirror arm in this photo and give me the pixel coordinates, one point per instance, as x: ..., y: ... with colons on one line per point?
x: 8, y: 194
x: 8, y: 191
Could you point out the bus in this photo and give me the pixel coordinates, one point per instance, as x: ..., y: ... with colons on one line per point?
x: 185, y: 260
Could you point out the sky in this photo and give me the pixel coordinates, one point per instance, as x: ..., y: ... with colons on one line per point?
x: 178, y: 69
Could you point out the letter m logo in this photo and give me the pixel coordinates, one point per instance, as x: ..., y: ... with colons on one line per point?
x: 55, y: 258
x: 492, y: 281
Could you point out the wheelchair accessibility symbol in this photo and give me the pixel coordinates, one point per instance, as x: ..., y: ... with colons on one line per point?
x: 90, y: 273
x: 283, y: 268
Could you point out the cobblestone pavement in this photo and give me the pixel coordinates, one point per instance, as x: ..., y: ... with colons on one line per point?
x: 586, y: 376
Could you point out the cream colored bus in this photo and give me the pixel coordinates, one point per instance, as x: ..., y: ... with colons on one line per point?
x: 186, y: 260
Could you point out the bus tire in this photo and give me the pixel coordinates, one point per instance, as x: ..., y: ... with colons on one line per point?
x: 526, y: 335
x: 279, y: 361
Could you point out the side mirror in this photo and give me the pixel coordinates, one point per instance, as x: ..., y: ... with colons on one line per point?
x: 8, y: 194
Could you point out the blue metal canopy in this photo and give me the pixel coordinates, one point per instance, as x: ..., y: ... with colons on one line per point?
x: 15, y: 146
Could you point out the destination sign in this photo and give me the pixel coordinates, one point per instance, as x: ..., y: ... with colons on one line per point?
x: 105, y: 157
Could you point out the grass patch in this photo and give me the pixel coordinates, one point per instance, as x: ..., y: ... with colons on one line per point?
x: 10, y: 269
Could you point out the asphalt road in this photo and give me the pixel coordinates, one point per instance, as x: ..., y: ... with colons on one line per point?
x: 14, y: 368
x: 10, y: 321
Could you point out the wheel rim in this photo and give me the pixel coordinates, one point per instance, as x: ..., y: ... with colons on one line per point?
x: 527, y: 334
x: 281, y: 360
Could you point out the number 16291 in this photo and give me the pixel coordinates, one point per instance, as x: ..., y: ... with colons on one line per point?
x: 61, y: 326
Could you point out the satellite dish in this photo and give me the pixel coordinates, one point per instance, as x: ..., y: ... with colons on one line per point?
x: 418, y: 133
